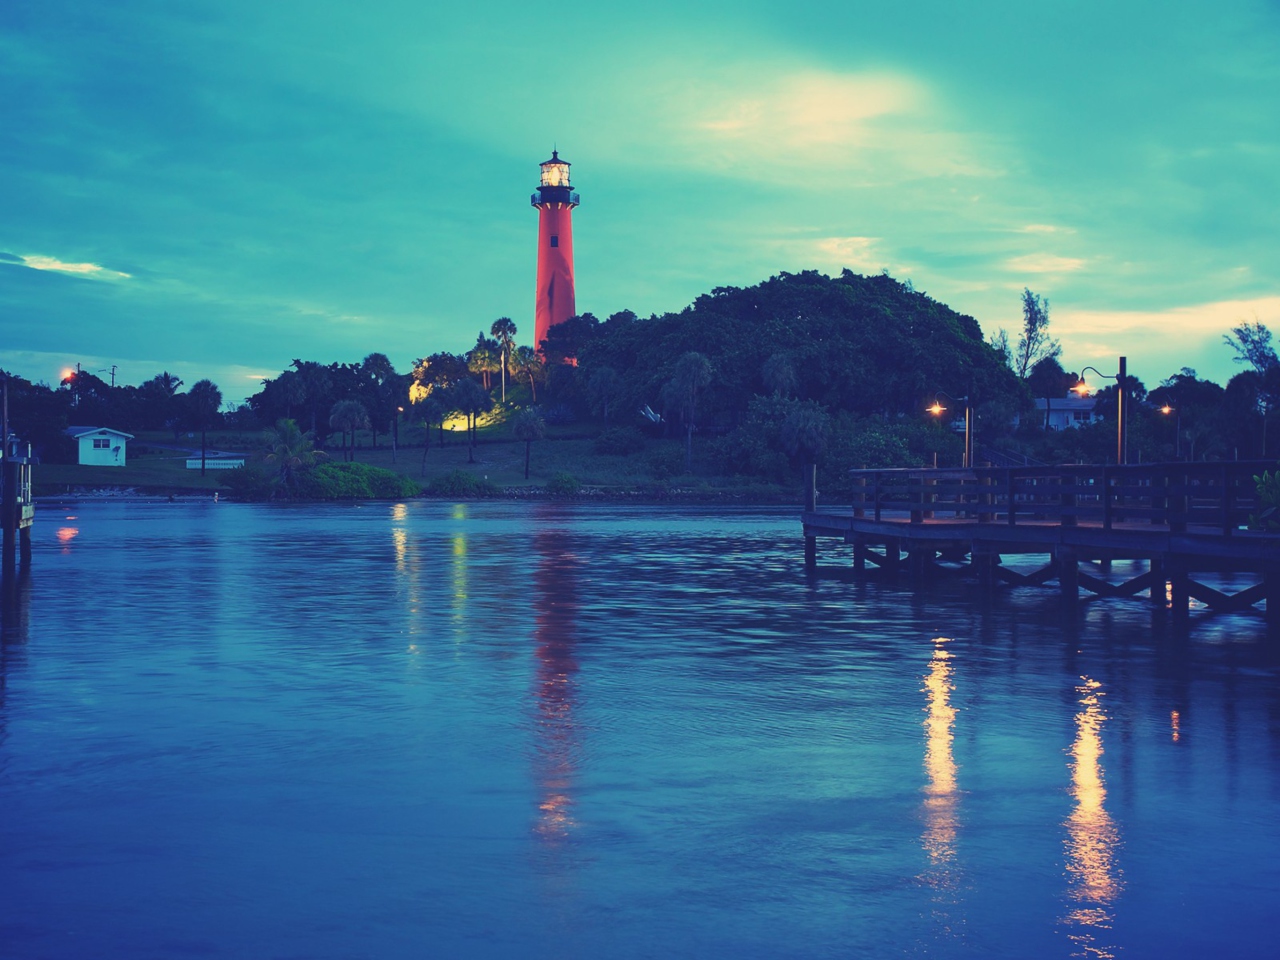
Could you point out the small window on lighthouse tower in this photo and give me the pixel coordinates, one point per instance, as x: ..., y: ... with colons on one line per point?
x: 555, y: 241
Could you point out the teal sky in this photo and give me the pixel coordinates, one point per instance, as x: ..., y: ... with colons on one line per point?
x: 216, y: 188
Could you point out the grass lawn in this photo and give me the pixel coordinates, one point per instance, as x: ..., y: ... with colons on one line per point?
x: 498, y: 458
x: 155, y: 473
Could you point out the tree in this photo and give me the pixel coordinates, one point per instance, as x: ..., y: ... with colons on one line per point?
x: 529, y: 365
x: 1194, y: 407
x: 159, y: 403
x: 483, y: 360
x: 804, y: 434
x: 779, y: 375
x: 566, y: 339
x: 504, y: 331
x: 692, y: 372
x: 1047, y: 379
x: 315, y: 380
x: 438, y: 371
x: 290, y: 452
x: 349, y: 416
x: 431, y: 410
x: 1252, y: 345
x: 380, y: 390
x: 528, y: 426
x: 471, y: 400
x: 203, y: 400
x: 1035, y: 343
x: 602, y: 388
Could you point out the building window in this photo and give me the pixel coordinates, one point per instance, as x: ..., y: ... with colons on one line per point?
x: 555, y: 241
x: 101, y: 443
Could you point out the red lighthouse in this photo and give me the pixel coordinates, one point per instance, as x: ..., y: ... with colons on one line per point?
x: 555, y: 201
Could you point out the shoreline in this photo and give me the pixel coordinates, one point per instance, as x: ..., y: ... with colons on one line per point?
x: 586, y: 495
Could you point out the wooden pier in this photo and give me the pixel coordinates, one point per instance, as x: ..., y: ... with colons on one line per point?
x: 1185, y: 520
x: 17, y: 508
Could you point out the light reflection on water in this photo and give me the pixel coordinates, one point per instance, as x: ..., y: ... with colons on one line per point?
x: 1092, y: 836
x: 500, y: 730
x: 942, y: 795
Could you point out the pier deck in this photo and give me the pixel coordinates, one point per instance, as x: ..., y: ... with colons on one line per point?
x: 1183, y: 519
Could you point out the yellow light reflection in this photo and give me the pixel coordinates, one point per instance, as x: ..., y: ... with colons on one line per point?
x: 459, y: 570
x: 67, y: 534
x: 942, y: 794
x: 1175, y: 725
x: 1093, y: 877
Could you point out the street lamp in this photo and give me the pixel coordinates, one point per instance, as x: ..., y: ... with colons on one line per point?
x: 1122, y: 405
x: 1177, y: 429
x: 937, y: 409
x: 395, y: 432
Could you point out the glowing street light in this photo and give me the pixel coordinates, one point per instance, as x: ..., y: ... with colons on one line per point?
x: 1122, y: 406
x: 937, y: 409
x: 1177, y: 428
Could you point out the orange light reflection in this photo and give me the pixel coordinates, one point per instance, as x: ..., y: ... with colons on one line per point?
x: 1093, y: 877
x: 942, y: 795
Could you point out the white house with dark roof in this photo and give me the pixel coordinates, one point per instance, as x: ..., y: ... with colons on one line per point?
x: 100, y: 446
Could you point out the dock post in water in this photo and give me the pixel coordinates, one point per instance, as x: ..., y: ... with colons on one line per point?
x: 810, y: 506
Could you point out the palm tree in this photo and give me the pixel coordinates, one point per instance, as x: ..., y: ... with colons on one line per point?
x: 528, y: 426
x: 379, y: 382
x: 527, y: 363
x: 203, y: 400
x: 504, y: 331
x: 692, y: 373
x: 316, y: 382
x: 780, y: 375
x: 349, y: 415
x: 432, y: 411
x: 483, y: 359
x: 291, y: 451
x: 472, y: 400
x: 804, y: 434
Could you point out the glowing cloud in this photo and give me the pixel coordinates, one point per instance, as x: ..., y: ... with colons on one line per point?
x: 1206, y: 319
x: 856, y: 253
x: 88, y: 270
x: 772, y: 122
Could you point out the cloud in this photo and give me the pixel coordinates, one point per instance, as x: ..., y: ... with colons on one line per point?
x: 1043, y: 263
x: 856, y: 253
x: 1044, y: 228
x: 9, y: 257
x: 1205, y: 319
x: 90, y: 271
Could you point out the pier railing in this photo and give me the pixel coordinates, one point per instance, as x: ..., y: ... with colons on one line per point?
x: 1177, y: 496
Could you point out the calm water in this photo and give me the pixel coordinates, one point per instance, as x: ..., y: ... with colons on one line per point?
x: 540, y: 730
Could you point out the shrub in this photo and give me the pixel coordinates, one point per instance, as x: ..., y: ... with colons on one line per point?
x: 460, y: 483
x: 620, y: 441
x: 563, y: 485
x: 664, y: 464
x: 559, y: 414
x: 354, y: 481
x: 250, y: 482
x: 1268, y: 515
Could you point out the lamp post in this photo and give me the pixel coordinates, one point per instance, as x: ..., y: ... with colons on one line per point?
x: 1177, y: 429
x: 937, y: 409
x: 1122, y: 406
x: 395, y: 432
